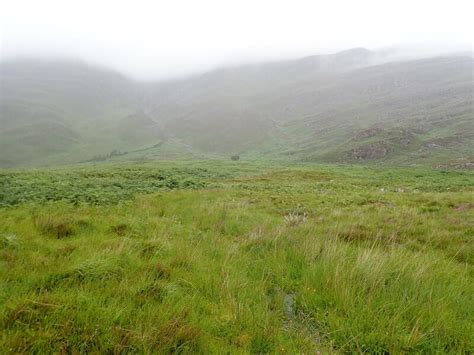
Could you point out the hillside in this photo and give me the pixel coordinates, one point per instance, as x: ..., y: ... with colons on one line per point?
x: 347, y: 107
x: 55, y: 112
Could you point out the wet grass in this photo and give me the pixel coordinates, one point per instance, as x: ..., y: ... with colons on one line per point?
x: 270, y: 259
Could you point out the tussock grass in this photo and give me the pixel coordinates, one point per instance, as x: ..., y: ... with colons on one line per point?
x: 58, y: 227
x: 304, y: 259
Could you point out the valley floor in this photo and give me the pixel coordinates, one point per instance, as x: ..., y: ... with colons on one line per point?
x: 213, y: 257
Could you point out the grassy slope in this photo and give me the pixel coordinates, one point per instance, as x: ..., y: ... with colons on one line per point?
x: 302, y: 111
x: 236, y: 257
x: 402, y: 107
x: 62, y: 112
x: 315, y: 109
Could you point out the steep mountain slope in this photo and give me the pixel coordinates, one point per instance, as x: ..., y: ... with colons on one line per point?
x: 67, y: 111
x: 232, y: 109
x: 393, y: 111
x: 346, y: 107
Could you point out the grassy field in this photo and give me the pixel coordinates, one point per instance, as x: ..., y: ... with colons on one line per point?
x: 216, y: 257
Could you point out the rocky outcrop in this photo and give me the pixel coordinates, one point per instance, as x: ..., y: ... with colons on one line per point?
x: 371, y: 151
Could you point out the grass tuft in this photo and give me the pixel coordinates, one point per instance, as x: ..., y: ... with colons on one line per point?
x: 178, y: 336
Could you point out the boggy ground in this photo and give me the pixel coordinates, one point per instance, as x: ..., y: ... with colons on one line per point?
x: 211, y: 257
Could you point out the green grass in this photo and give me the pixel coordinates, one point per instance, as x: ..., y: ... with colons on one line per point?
x: 247, y: 258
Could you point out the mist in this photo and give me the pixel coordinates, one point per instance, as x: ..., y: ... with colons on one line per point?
x: 236, y: 176
x: 156, y: 40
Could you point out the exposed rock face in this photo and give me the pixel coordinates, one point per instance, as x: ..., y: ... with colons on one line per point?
x: 458, y: 164
x: 432, y: 145
x: 372, y: 151
x: 467, y: 165
x: 403, y: 137
x: 368, y: 133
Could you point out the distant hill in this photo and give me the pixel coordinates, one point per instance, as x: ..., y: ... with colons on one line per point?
x: 352, y: 106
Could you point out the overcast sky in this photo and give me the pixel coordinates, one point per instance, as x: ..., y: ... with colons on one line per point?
x: 168, y: 38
